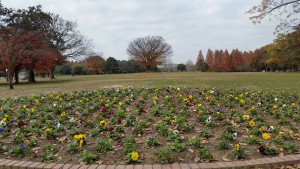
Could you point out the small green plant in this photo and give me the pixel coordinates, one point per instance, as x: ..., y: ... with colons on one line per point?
x: 239, y: 153
x: 222, y: 145
x: 165, y: 155
x: 50, y: 133
x: 32, y: 143
x: 152, y: 141
x: 121, y: 113
x: 205, y: 134
x: 72, y: 147
x: 94, y: 132
x: 270, y: 151
x: 87, y: 157
x: 18, y: 151
x: 177, y: 146
x: 129, y: 145
x: 103, y: 145
x: 278, y: 141
x: 291, y: 148
x: 119, y: 129
x: 139, y: 127
x: 253, y: 140
x: 89, y: 124
x: 227, y: 136
x: 195, y: 142
x: 48, y: 153
x: 204, y: 154
x: 162, y: 129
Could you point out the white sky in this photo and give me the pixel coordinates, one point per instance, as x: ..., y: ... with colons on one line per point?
x: 187, y: 25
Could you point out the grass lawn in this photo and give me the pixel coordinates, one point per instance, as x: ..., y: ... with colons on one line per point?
x: 288, y: 82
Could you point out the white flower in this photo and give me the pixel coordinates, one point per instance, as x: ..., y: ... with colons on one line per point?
x: 276, y: 99
x: 208, y: 120
x: 72, y: 119
x: 234, y: 136
x: 271, y: 128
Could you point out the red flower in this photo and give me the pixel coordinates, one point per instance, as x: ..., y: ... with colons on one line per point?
x: 21, y: 123
x: 103, y: 110
x: 110, y: 129
x: 142, y: 110
x: 119, y: 121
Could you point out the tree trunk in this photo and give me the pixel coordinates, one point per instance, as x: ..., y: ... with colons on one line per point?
x: 148, y: 68
x: 16, y: 77
x: 31, y: 78
x: 52, y: 73
x: 10, y: 80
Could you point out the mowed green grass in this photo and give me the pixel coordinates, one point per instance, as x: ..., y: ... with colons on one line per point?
x: 286, y: 82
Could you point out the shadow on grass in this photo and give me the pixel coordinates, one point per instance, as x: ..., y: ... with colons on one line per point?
x: 43, y: 82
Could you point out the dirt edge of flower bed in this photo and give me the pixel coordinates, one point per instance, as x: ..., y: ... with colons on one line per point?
x: 272, y: 162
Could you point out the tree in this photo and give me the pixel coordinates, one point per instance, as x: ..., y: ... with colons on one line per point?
x: 60, y: 34
x: 24, y: 50
x: 95, y: 64
x: 149, y: 51
x: 181, y: 67
x: 65, y: 38
x: 284, y: 10
x: 65, y: 69
x: 200, y: 61
x: 190, y: 66
x: 210, y: 59
x: 112, y: 65
x: 78, y: 69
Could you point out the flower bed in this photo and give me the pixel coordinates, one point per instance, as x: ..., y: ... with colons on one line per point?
x: 118, y: 126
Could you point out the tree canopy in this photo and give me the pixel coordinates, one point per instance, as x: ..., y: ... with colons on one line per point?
x: 149, y: 51
x: 286, y: 11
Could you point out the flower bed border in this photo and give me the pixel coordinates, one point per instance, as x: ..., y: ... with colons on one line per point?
x: 272, y: 162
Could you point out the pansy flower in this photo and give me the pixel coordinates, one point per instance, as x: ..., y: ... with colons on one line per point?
x: 103, y: 110
x: 22, y: 146
x: 134, y: 156
x: 246, y: 117
x: 266, y: 136
x: 63, y: 114
x: 102, y: 123
x: 237, y: 147
x: 251, y: 123
x: 21, y: 123
x: 4, y: 111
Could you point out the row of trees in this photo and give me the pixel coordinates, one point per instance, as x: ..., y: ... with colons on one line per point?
x: 37, y: 41
x: 98, y: 65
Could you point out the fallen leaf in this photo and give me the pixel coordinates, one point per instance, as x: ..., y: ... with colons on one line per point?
x: 281, y: 154
x: 196, y: 159
x: 191, y: 150
x: 36, y: 148
x: 225, y: 159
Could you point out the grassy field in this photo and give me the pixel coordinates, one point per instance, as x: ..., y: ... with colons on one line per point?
x: 287, y: 82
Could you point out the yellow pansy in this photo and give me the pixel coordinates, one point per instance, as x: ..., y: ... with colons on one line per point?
x: 63, y: 114
x: 134, y: 156
x: 251, y: 123
x: 102, y: 123
x: 79, y: 136
x: 237, y: 147
x: 266, y: 136
x: 246, y: 117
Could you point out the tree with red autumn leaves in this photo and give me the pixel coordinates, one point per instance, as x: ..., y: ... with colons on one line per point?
x: 219, y: 61
x: 25, y: 50
x: 95, y: 64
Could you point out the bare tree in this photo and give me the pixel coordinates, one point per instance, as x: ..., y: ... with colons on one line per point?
x: 284, y: 10
x: 63, y: 36
x: 190, y: 66
x: 149, y: 51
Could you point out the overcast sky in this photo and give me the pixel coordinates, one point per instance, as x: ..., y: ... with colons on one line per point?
x: 187, y: 25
